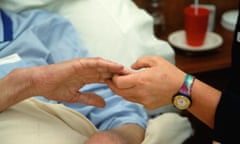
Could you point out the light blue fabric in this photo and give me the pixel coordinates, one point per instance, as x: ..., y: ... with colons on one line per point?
x: 41, y: 38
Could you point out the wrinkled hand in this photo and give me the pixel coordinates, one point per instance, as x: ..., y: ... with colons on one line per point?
x: 152, y: 86
x: 62, y: 81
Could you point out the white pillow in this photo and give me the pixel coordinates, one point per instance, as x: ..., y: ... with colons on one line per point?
x: 114, y: 29
x: 168, y: 128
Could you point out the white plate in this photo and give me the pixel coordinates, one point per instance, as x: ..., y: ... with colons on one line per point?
x: 178, y: 40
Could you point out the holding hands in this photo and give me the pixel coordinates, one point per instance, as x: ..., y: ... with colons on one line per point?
x: 158, y: 82
x: 153, y: 86
x: 62, y: 81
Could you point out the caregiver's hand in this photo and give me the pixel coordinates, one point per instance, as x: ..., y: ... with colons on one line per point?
x: 60, y: 81
x: 153, y: 86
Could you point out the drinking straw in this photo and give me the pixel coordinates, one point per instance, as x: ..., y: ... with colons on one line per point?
x: 196, y: 3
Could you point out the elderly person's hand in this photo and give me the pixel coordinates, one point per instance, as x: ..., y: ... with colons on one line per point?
x: 125, y: 134
x: 60, y: 81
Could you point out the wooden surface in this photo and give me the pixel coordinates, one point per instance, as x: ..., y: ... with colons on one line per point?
x: 173, y: 10
x: 207, y: 61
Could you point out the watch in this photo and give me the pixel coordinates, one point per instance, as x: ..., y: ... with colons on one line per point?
x: 182, y: 99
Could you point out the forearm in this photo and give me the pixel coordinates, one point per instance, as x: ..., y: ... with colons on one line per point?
x: 204, y: 102
x: 132, y: 133
x: 14, y: 87
x: 124, y: 134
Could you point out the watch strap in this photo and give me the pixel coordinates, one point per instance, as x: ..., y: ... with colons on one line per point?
x: 187, y: 85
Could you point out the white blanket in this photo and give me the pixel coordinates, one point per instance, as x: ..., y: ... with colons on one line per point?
x: 35, y: 122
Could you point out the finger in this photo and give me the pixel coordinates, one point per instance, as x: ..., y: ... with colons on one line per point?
x: 104, y: 76
x: 117, y: 68
x: 121, y: 92
x: 90, y: 99
x: 125, y: 71
x: 108, y: 75
x: 112, y: 85
x: 100, y: 64
x: 109, y: 65
x: 143, y: 62
x: 124, y: 81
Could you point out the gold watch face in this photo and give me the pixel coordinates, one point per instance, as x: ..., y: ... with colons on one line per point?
x: 181, y: 102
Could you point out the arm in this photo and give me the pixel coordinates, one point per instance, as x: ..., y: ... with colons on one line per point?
x: 125, y: 134
x: 59, y: 81
x: 155, y: 86
x: 205, y: 100
x: 12, y: 87
x: 117, y: 113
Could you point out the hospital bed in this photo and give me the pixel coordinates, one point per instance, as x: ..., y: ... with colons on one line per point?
x: 120, y: 31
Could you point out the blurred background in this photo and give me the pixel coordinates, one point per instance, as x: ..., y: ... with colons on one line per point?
x: 212, y: 67
x: 172, y: 10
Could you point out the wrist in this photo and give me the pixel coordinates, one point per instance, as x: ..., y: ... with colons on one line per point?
x: 13, y: 88
x: 182, y: 99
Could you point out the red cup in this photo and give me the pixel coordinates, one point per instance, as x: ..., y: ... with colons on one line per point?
x: 196, y: 23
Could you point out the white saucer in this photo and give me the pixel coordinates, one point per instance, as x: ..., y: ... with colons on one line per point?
x: 178, y: 40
